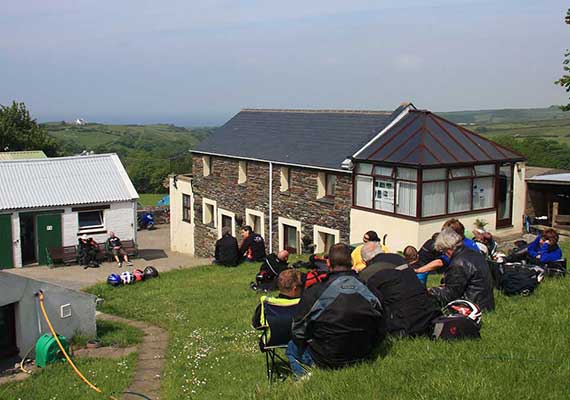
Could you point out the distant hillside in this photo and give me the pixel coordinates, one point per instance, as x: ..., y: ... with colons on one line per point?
x: 506, y: 115
x: 149, y: 152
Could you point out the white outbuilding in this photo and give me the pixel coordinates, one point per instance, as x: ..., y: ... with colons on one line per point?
x: 50, y: 202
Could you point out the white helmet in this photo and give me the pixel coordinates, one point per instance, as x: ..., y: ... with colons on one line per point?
x: 127, y: 278
x: 465, y: 308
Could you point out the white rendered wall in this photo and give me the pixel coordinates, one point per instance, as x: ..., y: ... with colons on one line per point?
x: 181, y: 232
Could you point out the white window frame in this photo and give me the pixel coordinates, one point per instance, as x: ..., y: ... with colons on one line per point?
x: 213, y: 203
x: 249, y: 220
x: 285, y: 176
x: 242, y: 172
x: 206, y: 165
x: 321, y: 185
x: 93, y: 228
x: 291, y: 222
x: 317, y: 239
x: 222, y: 212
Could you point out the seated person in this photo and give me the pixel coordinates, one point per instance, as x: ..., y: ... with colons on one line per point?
x: 88, y: 249
x: 468, y: 275
x: 252, y: 247
x: 485, y: 242
x: 408, y: 308
x: 114, y: 243
x: 290, y: 287
x: 226, y: 252
x: 270, y: 269
x: 545, y: 247
x: 443, y: 260
x: 357, y: 263
x: 413, y: 260
x: 339, y: 321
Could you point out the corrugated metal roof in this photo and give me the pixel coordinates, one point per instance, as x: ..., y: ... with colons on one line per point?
x: 64, y: 181
x: 21, y: 155
x: 551, y: 178
x: 315, y: 138
x: 423, y: 138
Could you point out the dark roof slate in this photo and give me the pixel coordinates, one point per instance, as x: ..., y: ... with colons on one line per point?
x: 423, y: 138
x: 318, y: 138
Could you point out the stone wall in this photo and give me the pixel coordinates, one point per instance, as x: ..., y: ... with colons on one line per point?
x: 299, y: 203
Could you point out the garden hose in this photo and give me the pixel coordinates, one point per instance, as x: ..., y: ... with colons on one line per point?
x: 27, y: 371
x: 54, y: 334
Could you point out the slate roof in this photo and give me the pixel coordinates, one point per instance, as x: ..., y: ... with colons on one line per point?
x: 422, y: 138
x: 64, y: 181
x: 316, y: 138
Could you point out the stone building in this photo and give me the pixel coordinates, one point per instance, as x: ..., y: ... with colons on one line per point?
x: 306, y: 179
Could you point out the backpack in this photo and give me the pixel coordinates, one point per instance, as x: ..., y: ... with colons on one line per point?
x: 456, y: 326
x: 518, y: 279
x: 312, y: 277
x: 555, y: 269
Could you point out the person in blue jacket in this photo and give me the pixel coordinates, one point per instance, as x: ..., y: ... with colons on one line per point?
x: 545, y: 247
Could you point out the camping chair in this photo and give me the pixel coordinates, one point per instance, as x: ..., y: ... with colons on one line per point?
x: 276, y: 319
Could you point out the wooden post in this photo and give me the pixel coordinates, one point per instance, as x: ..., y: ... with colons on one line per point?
x: 554, y: 212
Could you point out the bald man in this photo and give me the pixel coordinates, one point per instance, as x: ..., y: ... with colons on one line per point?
x: 270, y: 269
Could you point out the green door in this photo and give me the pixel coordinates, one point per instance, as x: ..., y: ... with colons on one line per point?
x: 6, y: 260
x: 48, y: 229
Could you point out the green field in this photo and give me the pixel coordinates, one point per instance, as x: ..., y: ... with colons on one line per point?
x: 150, y: 199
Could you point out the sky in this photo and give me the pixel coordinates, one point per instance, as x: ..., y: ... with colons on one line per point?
x: 199, y: 62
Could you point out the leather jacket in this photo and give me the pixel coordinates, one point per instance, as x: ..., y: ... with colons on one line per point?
x: 468, y: 277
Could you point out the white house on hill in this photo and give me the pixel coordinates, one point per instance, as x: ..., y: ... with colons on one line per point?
x: 50, y: 202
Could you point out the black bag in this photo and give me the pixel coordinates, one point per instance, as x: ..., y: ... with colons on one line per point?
x: 455, y: 326
x: 555, y: 269
x: 518, y: 279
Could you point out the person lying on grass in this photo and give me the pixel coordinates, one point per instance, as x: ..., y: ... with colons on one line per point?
x: 339, y: 321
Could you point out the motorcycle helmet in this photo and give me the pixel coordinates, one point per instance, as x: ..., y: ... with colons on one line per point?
x: 465, y: 308
x: 150, y: 272
x: 127, y: 278
x: 114, y: 280
x: 138, y: 275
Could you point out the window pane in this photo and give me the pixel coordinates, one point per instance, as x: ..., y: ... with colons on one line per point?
x: 384, y: 195
x: 90, y: 219
x: 483, y: 193
x: 364, y: 169
x: 364, y: 191
x: 385, y: 171
x: 460, y: 172
x: 408, y: 173
x: 482, y: 170
x: 459, y: 196
x: 434, y: 174
x: 406, y: 198
x: 331, y: 185
x: 433, y: 199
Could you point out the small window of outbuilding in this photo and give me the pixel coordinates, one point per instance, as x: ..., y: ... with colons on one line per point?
x: 90, y: 220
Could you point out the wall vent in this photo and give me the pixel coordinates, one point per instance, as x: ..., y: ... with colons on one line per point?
x: 65, y: 311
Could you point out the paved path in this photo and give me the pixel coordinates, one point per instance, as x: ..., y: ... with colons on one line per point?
x: 154, y: 249
x: 151, y: 353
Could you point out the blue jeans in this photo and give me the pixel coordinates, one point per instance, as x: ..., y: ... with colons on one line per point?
x: 299, y: 362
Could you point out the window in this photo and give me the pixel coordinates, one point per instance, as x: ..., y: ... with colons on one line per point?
x: 285, y: 178
x: 206, y: 165
x: 209, y: 212
x: 90, y: 220
x: 407, y: 198
x: 433, y: 199
x: 242, y: 172
x: 363, y: 197
x: 324, y: 238
x: 256, y: 220
x: 226, y: 219
x: 289, y: 235
x: 186, y: 208
x: 330, y: 185
x: 384, y: 195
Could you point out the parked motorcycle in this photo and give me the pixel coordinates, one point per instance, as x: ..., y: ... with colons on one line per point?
x: 146, y: 221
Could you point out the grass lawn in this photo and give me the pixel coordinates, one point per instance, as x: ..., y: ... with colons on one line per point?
x: 150, y: 199
x: 213, y: 351
x: 112, y: 334
x: 59, y: 382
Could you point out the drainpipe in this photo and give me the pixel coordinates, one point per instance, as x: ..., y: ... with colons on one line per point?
x: 270, y: 207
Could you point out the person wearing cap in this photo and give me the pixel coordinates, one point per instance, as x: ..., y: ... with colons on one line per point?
x: 88, y: 249
x: 357, y: 263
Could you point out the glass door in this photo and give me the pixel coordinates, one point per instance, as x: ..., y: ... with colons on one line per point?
x: 505, y: 196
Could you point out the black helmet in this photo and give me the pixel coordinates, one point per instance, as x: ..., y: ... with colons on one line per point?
x: 150, y: 272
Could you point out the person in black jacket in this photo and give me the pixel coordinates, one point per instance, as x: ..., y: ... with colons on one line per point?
x: 226, y: 252
x: 339, y: 321
x: 408, y: 308
x: 270, y: 269
x: 252, y: 246
x: 468, y: 275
